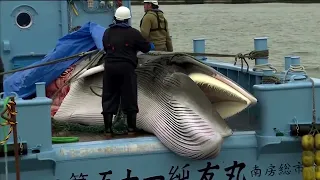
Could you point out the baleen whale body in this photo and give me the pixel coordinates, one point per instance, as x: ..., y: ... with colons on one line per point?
x: 181, y: 100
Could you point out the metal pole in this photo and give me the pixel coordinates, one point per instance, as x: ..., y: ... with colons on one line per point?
x: 199, y: 46
x: 260, y: 44
x: 15, y: 138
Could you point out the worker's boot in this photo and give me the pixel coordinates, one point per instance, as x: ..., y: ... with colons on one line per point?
x: 132, y: 124
x: 107, y: 118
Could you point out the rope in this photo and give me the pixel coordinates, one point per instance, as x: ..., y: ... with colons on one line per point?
x: 11, y: 111
x: 11, y: 120
x: 270, y: 80
x: 59, y: 140
x: 51, y: 62
x: 8, y: 120
x: 262, y: 67
x: 5, y: 144
x: 294, y: 68
x: 313, y: 130
x: 241, y: 57
x: 252, y: 56
x: 95, y: 93
x: 313, y: 102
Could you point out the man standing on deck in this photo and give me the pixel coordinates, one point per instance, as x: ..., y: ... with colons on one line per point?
x: 121, y: 43
x: 154, y: 26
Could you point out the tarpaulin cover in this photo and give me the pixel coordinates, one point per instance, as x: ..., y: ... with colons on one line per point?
x: 88, y: 37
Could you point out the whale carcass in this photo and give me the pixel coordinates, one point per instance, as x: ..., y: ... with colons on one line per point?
x: 181, y: 100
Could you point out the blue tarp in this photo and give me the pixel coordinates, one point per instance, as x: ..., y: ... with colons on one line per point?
x: 87, y: 38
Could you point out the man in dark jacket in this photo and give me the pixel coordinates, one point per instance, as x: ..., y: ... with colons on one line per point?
x: 121, y: 43
x: 154, y: 26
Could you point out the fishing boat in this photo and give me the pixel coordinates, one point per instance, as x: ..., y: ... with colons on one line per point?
x: 264, y: 126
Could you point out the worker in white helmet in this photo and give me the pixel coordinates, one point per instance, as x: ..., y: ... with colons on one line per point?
x: 121, y: 43
x: 154, y: 26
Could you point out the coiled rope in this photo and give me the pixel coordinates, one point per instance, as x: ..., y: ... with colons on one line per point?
x: 253, y: 55
x: 294, y: 68
x: 7, y: 120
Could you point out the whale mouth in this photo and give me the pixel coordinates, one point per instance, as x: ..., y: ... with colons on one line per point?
x: 226, y: 96
x: 226, y: 100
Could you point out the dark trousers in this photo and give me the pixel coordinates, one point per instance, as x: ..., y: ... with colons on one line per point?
x: 119, y: 81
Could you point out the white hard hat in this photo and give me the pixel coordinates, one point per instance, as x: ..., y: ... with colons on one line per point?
x: 122, y: 13
x: 155, y: 2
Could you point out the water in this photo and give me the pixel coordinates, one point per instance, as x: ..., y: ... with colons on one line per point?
x: 293, y: 29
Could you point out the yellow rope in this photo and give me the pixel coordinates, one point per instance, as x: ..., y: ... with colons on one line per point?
x: 7, y: 122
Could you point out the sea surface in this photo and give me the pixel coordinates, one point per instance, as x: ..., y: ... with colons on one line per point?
x: 292, y: 29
